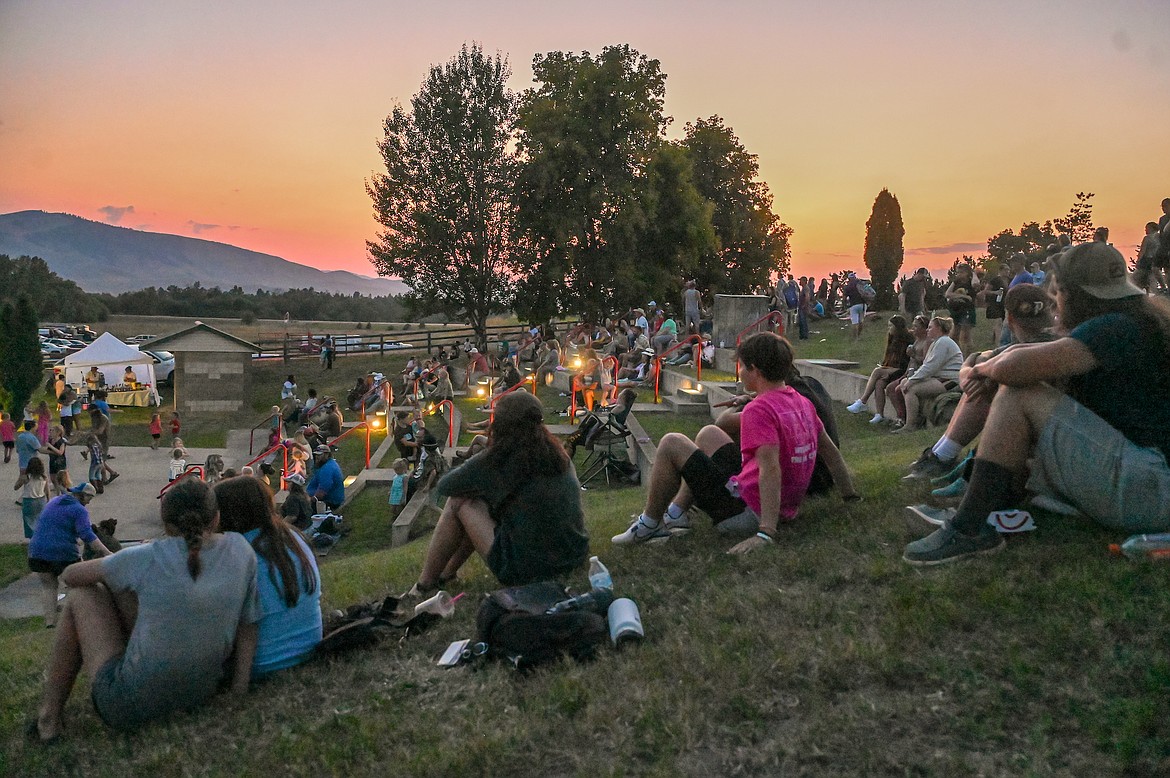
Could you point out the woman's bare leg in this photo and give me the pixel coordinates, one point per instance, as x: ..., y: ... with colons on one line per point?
x: 463, y: 521
x: 49, y: 597
x: 90, y: 634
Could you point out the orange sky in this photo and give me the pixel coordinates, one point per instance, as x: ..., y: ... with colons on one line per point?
x: 255, y: 123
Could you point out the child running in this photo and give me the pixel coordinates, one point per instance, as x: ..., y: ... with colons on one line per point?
x: 155, y: 430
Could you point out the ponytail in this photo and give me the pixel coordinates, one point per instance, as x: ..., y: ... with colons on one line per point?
x: 190, y: 508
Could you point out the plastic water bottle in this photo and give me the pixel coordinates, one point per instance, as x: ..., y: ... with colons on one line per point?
x: 1151, y: 547
x: 599, y: 577
x: 597, y: 601
x: 625, y: 622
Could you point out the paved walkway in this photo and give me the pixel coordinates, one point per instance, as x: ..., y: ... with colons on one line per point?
x: 132, y: 499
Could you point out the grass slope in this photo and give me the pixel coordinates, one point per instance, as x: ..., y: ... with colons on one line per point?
x: 823, y: 655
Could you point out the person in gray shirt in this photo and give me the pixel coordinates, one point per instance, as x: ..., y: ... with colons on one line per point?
x: 196, y: 606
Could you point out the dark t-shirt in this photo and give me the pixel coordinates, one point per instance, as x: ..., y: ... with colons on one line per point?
x: 540, y: 531
x: 1130, y: 389
x: 913, y: 290
x: 996, y: 291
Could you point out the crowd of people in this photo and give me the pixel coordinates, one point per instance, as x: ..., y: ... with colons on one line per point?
x: 1069, y: 410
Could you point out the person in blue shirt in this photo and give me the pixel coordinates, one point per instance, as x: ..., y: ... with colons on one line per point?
x: 327, y: 483
x: 53, y: 547
x: 287, y: 578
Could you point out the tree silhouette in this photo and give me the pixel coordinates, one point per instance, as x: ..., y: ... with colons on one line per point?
x: 883, y: 246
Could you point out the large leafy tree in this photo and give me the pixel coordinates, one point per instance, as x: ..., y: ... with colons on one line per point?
x: 883, y: 245
x: 589, y: 131
x: 445, y: 200
x: 1032, y: 240
x: 20, y: 353
x: 752, y: 241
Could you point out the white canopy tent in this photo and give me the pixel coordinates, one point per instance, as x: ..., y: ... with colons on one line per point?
x: 111, y: 356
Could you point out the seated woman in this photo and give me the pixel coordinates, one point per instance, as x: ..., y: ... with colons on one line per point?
x: 917, y: 352
x: 297, y: 508
x: 547, y: 360
x: 287, y: 577
x: 154, y: 625
x: 588, y: 380
x: 517, y: 504
x: 939, y: 373
x: 899, y: 339
x: 1101, y: 448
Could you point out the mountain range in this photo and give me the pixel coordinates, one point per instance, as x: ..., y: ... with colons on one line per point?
x: 104, y: 258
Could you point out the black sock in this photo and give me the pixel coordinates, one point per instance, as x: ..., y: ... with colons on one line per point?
x: 992, y: 487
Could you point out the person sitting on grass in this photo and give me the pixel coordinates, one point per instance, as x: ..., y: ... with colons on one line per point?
x: 517, y: 504
x: 297, y: 508
x: 1102, y: 447
x: 286, y: 577
x: 750, y: 488
x: 938, y: 373
x: 153, y: 626
x: 53, y: 547
x: 1029, y: 312
x: 899, y: 340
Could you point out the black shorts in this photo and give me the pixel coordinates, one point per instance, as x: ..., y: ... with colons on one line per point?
x: 707, y: 477
x: 10, y: 444
x: 45, y: 566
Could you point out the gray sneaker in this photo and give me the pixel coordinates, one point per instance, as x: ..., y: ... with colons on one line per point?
x: 936, y: 516
x: 640, y: 532
x: 928, y: 466
x: 946, y: 545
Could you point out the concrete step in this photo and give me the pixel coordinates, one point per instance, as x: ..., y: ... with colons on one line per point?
x: 679, y: 405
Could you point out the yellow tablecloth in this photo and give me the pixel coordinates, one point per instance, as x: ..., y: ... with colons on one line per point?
x: 139, y: 398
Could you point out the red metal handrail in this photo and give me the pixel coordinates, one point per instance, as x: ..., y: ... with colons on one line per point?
x: 528, y: 379
x: 387, y: 393
x: 450, y: 419
x: 779, y: 322
x: 360, y: 426
x: 284, y: 466
x: 191, y: 469
x: 252, y: 435
x: 689, y: 340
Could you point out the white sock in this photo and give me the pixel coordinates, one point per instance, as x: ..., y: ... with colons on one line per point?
x: 673, y: 511
x: 647, y: 521
x: 946, y: 449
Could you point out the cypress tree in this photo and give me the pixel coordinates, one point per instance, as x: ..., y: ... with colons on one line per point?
x: 883, y: 246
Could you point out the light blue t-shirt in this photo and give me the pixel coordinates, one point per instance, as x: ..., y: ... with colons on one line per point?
x: 287, y: 635
x: 398, y: 489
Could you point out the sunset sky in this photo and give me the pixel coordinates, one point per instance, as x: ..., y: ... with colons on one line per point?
x: 255, y: 123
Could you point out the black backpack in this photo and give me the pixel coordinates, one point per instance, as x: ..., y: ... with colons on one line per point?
x: 516, y: 628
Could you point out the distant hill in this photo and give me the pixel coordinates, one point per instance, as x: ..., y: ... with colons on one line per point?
x: 103, y: 258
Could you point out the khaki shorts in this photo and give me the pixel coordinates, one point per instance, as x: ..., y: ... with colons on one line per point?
x: 1083, y: 462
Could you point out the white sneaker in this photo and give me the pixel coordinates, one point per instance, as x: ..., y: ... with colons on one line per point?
x: 877, y: 419
x: 640, y: 532
x: 857, y: 406
x: 679, y: 526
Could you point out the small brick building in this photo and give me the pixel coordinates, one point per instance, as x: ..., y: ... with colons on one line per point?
x: 212, y: 368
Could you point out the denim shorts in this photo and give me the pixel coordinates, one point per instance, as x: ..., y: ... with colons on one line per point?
x: 856, y: 313
x: 1083, y: 462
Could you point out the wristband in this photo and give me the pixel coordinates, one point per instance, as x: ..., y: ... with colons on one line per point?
x: 765, y: 536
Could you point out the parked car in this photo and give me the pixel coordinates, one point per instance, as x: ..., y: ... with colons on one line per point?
x: 140, y: 338
x: 52, y: 348
x: 164, y: 366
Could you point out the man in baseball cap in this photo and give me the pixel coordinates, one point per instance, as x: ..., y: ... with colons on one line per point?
x: 1100, y: 450
x: 327, y: 483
